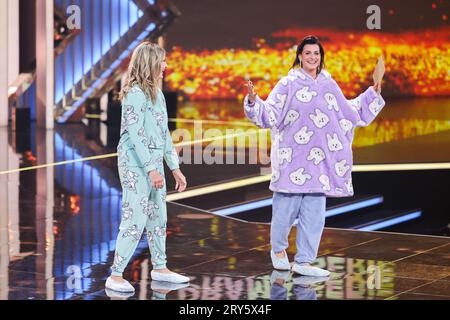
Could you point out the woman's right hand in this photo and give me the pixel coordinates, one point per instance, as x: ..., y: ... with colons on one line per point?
x: 156, y: 179
x: 377, y: 87
x: 251, y: 92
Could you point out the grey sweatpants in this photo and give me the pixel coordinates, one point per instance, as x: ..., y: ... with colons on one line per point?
x: 309, y: 209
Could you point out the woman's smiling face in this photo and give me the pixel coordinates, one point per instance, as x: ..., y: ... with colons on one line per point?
x: 310, y: 57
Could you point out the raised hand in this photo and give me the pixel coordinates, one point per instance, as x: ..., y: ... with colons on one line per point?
x: 251, y: 91
x: 377, y: 87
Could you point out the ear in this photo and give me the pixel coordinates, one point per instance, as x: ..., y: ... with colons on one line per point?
x: 335, y: 136
x: 328, y: 136
x: 314, y: 93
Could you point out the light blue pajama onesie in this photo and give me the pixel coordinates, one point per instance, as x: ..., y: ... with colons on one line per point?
x: 144, y: 142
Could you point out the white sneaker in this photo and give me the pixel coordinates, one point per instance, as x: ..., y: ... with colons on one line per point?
x: 280, y: 263
x: 169, y: 277
x: 124, y: 286
x: 310, y: 271
x: 306, y: 281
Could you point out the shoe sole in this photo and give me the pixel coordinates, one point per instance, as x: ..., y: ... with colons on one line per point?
x: 165, y: 280
x: 122, y: 291
x: 116, y: 294
x: 310, y: 275
x: 288, y: 269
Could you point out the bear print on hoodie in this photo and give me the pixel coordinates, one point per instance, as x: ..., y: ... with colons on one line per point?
x: 316, y: 122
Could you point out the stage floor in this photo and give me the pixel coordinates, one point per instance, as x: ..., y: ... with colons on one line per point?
x: 225, y: 259
x: 59, y: 223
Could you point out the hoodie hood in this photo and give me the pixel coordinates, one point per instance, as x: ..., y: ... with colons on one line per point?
x: 300, y: 73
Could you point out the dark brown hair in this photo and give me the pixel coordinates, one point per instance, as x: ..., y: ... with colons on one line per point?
x: 305, y: 41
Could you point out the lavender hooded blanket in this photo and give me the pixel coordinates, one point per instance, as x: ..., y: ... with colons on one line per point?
x: 312, y: 127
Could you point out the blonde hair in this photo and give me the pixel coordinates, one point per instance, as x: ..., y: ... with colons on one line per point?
x: 144, y: 70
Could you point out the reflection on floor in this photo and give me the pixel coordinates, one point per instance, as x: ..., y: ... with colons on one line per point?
x: 60, y: 246
x: 58, y: 225
x: 225, y: 259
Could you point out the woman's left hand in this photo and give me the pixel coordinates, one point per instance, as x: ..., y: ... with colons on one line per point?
x: 251, y: 92
x: 180, y: 180
x: 377, y: 87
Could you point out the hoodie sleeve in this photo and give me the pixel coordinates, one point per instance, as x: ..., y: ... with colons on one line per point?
x: 266, y: 114
x: 141, y: 134
x: 365, y: 107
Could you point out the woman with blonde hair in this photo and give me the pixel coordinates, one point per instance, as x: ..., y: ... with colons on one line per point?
x: 144, y: 142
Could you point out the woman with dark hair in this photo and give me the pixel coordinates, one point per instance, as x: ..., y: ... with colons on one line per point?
x: 312, y: 126
x: 313, y: 43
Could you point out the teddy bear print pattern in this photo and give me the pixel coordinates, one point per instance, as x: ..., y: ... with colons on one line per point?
x: 149, y: 208
x: 147, y: 142
x: 132, y: 232
x: 303, y: 136
x: 305, y: 95
x: 375, y: 106
x: 284, y: 154
x: 118, y: 261
x: 333, y: 142
x: 127, y: 211
x: 312, y: 127
x: 346, y: 125
x: 316, y: 155
x: 153, y: 234
x: 129, y: 117
x: 325, y: 181
x: 291, y: 117
x: 279, y: 102
x: 319, y: 119
x: 129, y: 178
x: 299, y: 177
x: 332, y: 102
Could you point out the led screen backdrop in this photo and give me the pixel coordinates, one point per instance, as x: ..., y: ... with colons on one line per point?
x: 216, y: 44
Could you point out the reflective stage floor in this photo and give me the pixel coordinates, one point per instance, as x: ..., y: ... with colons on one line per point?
x: 60, y: 212
x: 225, y: 259
x: 65, y: 250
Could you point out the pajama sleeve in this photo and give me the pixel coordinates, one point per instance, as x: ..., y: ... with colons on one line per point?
x: 366, y: 106
x: 266, y: 114
x: 170, y: 153
x: 142, y: 135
